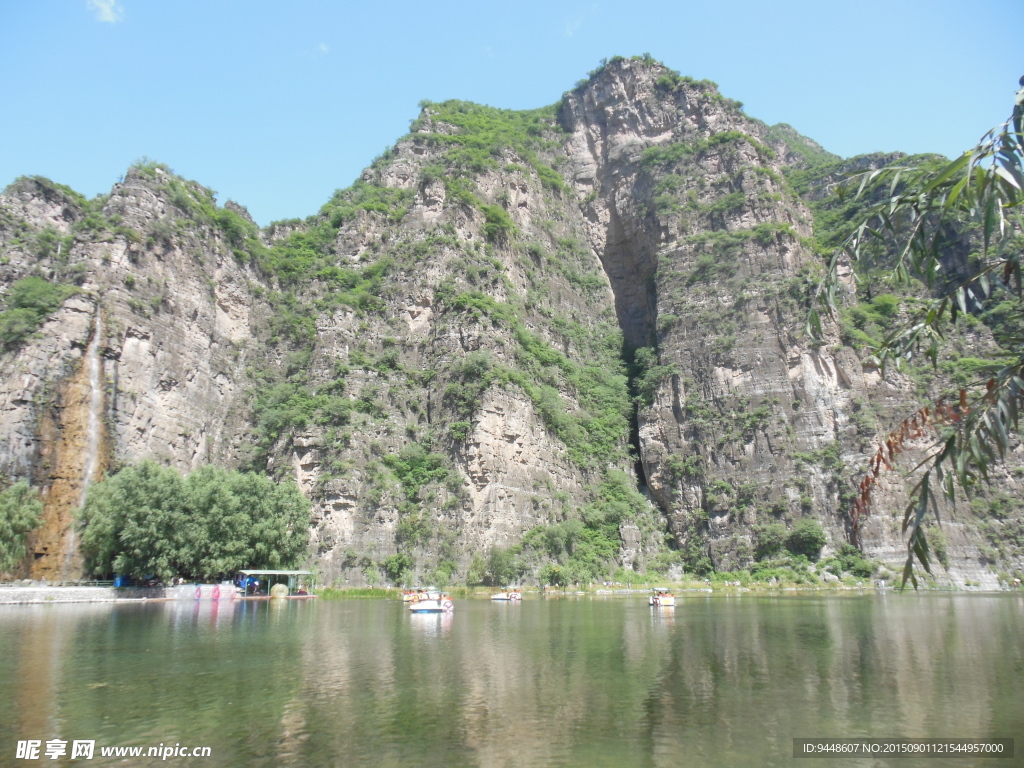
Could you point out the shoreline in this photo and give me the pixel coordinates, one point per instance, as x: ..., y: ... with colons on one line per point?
x: 54, y: 595
x: 13, y: 594
x: 378, y: 593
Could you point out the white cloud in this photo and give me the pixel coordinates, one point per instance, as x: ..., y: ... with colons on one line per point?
x: 572, y: 26
x: 106, y: 10
x: 315, y: 52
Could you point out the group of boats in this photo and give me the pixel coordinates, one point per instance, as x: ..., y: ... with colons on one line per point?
x: 434, y: 600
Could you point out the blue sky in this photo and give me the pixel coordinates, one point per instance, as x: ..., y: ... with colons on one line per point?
x: 277, y: 104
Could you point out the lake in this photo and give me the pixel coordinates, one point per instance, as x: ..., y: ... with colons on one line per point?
x: 570, y: 681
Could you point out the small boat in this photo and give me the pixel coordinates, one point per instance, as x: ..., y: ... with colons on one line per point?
x: 431, y: 600
x: 508, y: 595
x: 662, y: 598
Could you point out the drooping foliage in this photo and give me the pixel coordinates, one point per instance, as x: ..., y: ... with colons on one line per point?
x: 983, y: 189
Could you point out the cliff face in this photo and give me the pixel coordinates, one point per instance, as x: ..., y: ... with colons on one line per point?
x: 168, y: 315
x: 573, y: 331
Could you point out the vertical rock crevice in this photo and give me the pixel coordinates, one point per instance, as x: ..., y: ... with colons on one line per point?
x: 613, y: 120
x: 631, y: 273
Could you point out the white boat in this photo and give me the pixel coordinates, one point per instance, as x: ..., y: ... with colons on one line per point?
x: 662, y: 598
x: 508, y: 595
x: 431, y: 600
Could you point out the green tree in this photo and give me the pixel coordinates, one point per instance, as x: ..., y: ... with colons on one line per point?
x: 982, y: 193
x: 477, y: 570
x: 20, y: 514
x: 558, y: 575
x: 242, y: 519
x: 221, y: 523
x: 398, y: 567
x: 136, y: 524
x: 502, y: 567
x: 148, y: 520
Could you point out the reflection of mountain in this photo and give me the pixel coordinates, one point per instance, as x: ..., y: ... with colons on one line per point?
x: 725, y: 682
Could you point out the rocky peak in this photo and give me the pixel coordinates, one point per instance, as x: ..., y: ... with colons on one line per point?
x: 241, y: 210
x: 632, y: 124
x: 623, y: 101
x: 43, y: 203
x: 638, y: 102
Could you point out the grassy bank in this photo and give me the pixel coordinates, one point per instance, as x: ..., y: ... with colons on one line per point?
x: 394, y: 593
x: 694, y: 585
x: 358, y: 593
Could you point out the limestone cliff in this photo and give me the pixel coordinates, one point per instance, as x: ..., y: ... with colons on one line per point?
x: 574, y: 331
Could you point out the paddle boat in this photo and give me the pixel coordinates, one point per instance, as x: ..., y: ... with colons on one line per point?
x: 431, y: 600
x: 508, y: 595
x: 662, y: 598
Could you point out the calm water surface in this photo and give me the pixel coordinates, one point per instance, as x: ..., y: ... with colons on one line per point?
x: 718, y: 681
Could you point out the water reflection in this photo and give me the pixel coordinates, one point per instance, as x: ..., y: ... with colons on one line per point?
x: 556, y: 682
x: 432, y: 624
x: 664, y: 615
x: 37, y: 659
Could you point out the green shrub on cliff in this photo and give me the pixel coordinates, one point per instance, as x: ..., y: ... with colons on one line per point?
x: 148, y: 520
x: 29, y: 302
x: 398, y: 567
x: 807, y: 538
x: 415, y: 467
x: 498, y: 222
x: 648, y: 374
x: 769, y: 540
x: 483, y: 136
x: 583, y: 547
x: 849, y: 559
x: 596, y: 432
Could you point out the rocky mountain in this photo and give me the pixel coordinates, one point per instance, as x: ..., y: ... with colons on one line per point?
x: 569, y: 336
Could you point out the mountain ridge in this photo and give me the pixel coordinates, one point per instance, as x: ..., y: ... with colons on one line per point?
x: 566, y: 333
